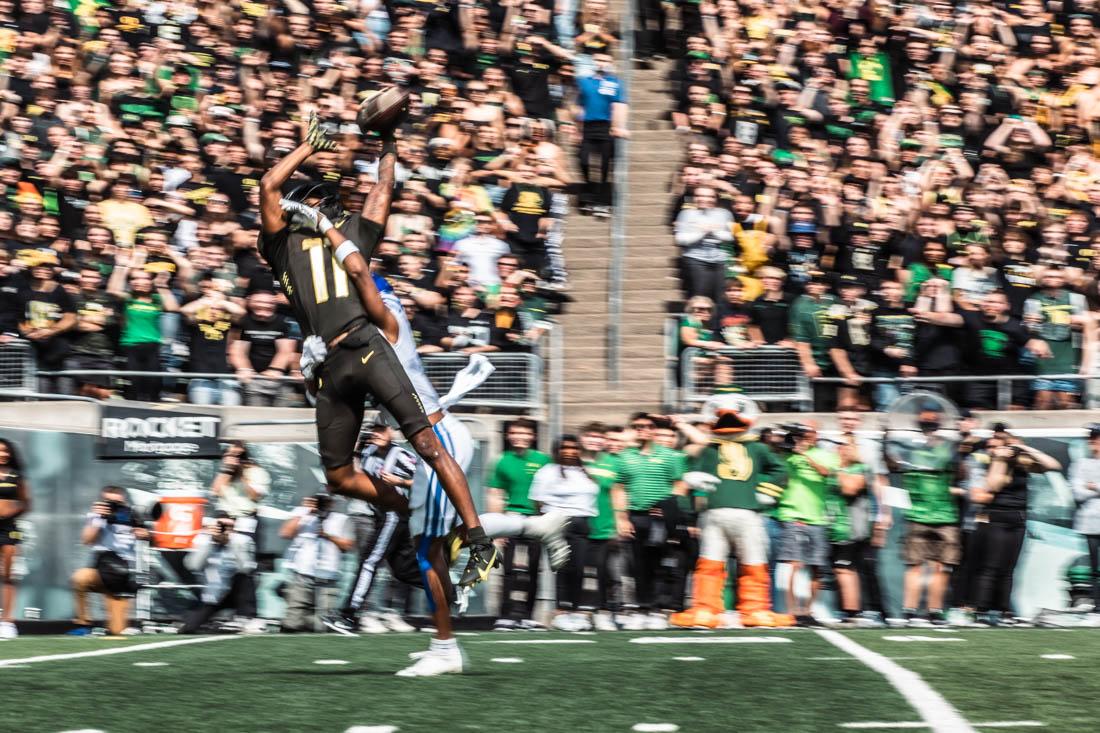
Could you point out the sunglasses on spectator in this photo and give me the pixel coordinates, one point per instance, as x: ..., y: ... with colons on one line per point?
x: 642, y: 425
x: 702, y: 309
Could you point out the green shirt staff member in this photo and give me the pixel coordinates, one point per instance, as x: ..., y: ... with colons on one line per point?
x: 648, y: 474
x: 509, y: 484
x: 603, y: 468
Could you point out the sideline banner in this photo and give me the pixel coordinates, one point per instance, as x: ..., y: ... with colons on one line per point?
x: 135, y: 433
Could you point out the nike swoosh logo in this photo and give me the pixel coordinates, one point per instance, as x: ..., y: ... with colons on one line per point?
x: 366, y: 358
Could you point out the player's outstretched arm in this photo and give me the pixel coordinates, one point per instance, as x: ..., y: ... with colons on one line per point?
x: 377, y: 206
x: 272, y: 218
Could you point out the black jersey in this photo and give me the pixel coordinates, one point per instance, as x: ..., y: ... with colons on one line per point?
x: 324, y: 298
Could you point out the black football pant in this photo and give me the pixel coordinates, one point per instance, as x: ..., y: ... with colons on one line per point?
x: 520, y: 577
x: 390, y: 543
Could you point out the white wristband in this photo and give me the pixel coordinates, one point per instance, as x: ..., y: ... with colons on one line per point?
x: 324, y: 224
x: 345, y: 250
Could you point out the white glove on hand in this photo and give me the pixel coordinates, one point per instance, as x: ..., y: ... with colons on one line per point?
x: 765, y: 499
x: 701, y: 481
x: 315, y: 217
x: 314, y: 353
x: 460, y: 341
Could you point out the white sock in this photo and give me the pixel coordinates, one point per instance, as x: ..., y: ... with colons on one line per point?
x: 444, y: 646
x: 502, y: 525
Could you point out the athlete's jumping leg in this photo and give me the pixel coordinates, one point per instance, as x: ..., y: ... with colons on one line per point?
x: 347, y: 481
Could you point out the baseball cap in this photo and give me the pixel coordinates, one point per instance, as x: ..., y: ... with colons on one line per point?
x: 850, y: 281
x: 213, y: 137
x: 803, y: 227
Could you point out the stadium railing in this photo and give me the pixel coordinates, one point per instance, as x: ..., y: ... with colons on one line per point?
x: 17, y: 366
x: 516, y: 383
x: 764, y: 373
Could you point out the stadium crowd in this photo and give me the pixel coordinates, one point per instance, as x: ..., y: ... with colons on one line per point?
x: 134, y: 136
x: 889, y: 189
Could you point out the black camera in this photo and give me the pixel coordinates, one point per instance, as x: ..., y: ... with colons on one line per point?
x: 120, y: 513
x: 323, y: 502
x: 791, y: 434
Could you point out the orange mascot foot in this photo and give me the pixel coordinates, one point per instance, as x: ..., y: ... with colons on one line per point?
x: 694, y: 618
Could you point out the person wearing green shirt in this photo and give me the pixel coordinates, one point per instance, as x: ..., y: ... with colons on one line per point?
x: 142, y: 304
x: 873, y: 66
x: 813, y: 330
x: 848, y: 508
x: 603, y: 468
x: 932, y: 535
x: 803, y: 541
x: 508, y: 485
x: 648, y: 473
x: 1063, y: 340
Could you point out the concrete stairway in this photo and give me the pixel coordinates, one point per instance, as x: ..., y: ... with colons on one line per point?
x: 649, y: 277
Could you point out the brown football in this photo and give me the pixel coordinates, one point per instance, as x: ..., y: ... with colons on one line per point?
x: 382, y: 109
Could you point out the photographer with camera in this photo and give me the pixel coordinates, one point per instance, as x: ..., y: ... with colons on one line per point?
x: 320, y: 536
x: 112, y: 529
x: 225, y: 561
x: 240, y: 486
x: 804, y: 539
x: 1002, y: 521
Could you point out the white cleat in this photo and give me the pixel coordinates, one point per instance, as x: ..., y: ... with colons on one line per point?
x: 8, y: 630
x: 435, y: 663
x: 396, y: 624
x: 371, y: 624
x: 604, y: 622
x: 656, y: 622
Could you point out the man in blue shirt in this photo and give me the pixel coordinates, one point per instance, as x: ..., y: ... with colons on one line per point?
x: 604, y: 112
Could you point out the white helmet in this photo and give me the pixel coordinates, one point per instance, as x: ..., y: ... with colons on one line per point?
x: 729, y: 414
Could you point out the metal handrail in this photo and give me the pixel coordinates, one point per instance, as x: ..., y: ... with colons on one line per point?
x: 619, y: 208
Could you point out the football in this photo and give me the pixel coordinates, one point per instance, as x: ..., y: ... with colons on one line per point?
x: 382, y: 109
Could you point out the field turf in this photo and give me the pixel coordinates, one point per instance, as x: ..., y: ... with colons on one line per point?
x: 729, y: 682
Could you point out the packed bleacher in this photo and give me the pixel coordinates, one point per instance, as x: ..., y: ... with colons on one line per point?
x: 135, y: 134
x: 882, y: 192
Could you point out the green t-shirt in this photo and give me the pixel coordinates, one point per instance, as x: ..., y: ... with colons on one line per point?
x: 513, y: 475
x: 648, y: 477
x: 142, y: 321
x: 1056, y: 329
x: 919, y: 274
x: 743, y: 468
x: 604, y: 470
x: 875, y: 70
x: 839, y: 507
x: 804, y: 499
x: 930, y: 488
x: 812, y: 324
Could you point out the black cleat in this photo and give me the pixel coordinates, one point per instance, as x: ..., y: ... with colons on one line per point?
x: 483, y: 558
x: 341, y: 624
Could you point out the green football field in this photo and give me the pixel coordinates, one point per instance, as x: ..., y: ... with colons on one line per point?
x: 797, y: 681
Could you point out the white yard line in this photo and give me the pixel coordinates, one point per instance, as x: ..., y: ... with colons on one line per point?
x: 114, y: 650
x: 937, y: 713
x: 921, y: 725
x: 536, y: 641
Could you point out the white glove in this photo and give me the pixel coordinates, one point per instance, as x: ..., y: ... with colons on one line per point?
x: 459, y: 341
x: 314, y: 353
x: 701, y: 481
x: 315, y: 217
x: 765, y: 499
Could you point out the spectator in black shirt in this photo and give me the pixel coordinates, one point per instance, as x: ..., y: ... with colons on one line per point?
x: 470, y: 329
x: 95, y: 334
x: 261, y: 351
x: 427, y: 326
x: 850, y: 348
x: 48, y: 313
x: 211, y: 315
x: 892, y: 339
x: 770, y: 312
x: 528, y: 208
